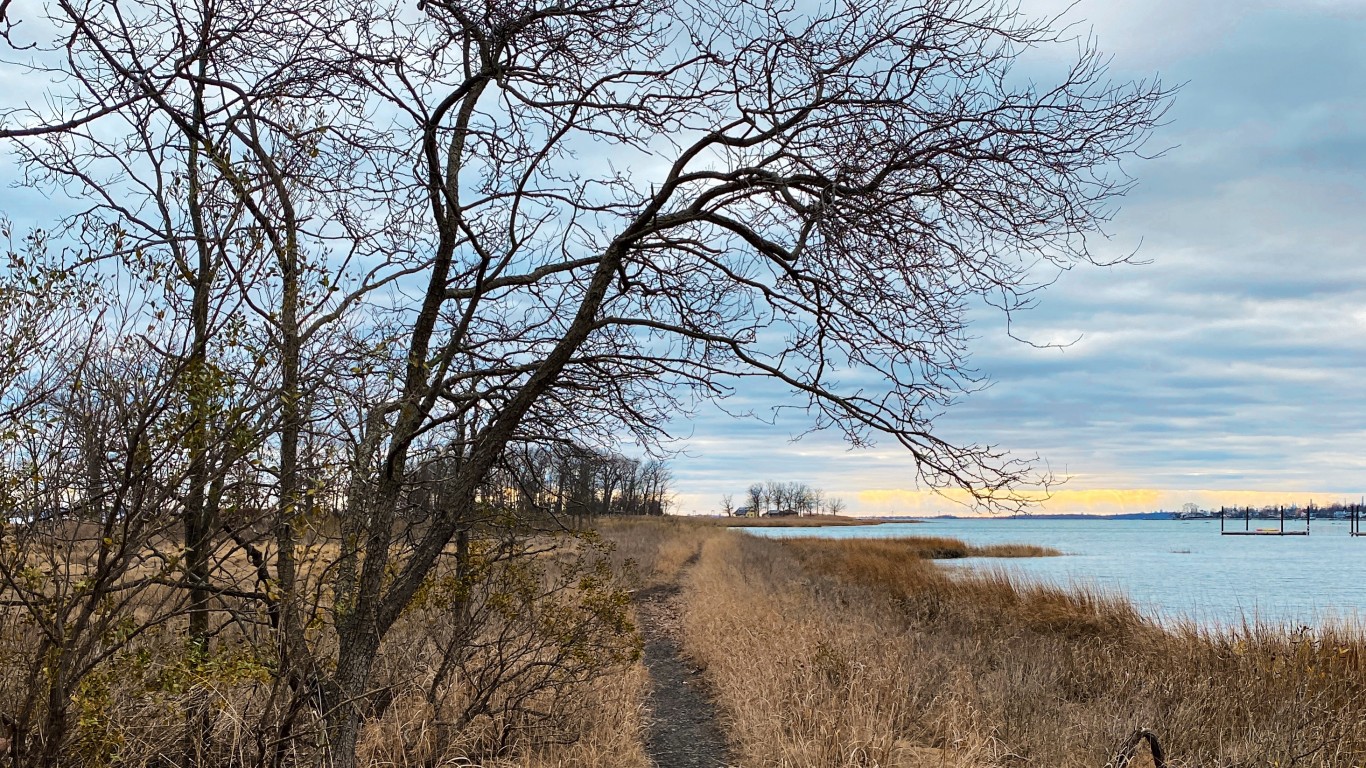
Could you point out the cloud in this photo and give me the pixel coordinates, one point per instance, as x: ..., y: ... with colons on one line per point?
x: 1169, y: 32
x: 1232, y: 361
x: 1101, y: 501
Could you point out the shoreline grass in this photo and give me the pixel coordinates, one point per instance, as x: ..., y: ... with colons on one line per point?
x: 860, y: 653
x: 930, y: 548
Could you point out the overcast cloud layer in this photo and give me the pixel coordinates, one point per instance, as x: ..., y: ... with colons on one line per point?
x: 1228, y: 369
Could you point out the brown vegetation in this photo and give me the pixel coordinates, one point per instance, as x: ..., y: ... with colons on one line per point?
x: 855, y: 653
x: 819, y: 652
x: 654, y: 551
x: 926, y: 548
x: 529, y: 660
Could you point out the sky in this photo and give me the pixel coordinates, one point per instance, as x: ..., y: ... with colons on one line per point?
x: 1230, y: 368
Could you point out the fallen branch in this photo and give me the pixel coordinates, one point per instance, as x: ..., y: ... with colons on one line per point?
x: 1125, y: 755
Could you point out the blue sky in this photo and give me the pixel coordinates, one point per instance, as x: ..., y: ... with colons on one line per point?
x: 1229, y: 368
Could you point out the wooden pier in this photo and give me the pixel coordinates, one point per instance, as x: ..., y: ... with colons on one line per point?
x: 1280, y: 530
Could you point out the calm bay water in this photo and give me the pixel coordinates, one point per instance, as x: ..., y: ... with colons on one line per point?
x: 1173, y: 570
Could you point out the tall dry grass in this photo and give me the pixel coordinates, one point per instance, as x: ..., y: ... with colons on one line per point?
x: 606, y: 729
x: 553, y: 662
x: 940, y: 548
x: 858, y: 653
x: 790, y: 661
x: 653, y: 551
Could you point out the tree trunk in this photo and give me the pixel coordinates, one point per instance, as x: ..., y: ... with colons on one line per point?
x: 345, y: 694
x: 199, y: 385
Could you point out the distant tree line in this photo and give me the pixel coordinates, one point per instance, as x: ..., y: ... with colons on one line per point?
x: 579, y: 482
x: 1270, y: 511
x: 792, y: 497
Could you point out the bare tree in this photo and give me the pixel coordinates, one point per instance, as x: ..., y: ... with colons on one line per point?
x: 727, y: 505
x: 757, y: 497
x: 857, y: 175
x: 776, y: 494
x: 817, y: 500
x: 83, y: 550
x: 655, y: 481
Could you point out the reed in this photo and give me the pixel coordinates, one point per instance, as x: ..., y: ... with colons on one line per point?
x: 853, y: 653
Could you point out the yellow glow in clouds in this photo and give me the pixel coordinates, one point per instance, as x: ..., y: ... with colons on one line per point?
x: 1095, y: 501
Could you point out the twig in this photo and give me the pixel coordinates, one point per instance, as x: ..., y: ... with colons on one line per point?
x: 1125, y: 755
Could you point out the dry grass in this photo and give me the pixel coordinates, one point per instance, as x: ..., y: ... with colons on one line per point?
x: 794, y: 680
x: 608, y: 731
x: 130, y: 711
x: 835, y: 653
x: 654, y: 550
x: 932, y: 548
x: 852, y: 653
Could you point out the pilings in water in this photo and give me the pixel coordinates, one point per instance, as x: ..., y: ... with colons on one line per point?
x: 1249, y: 531
x: 1356, y: 518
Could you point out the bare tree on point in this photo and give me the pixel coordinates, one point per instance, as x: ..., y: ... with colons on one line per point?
x: 595, y: 213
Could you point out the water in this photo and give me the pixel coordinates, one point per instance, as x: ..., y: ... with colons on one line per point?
x: 1173, y: 570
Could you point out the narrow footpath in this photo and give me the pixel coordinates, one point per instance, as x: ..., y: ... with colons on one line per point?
x: 683, y: 728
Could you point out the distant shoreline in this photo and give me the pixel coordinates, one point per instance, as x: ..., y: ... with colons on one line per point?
x: 804, y: 521
x: 1054, y: 516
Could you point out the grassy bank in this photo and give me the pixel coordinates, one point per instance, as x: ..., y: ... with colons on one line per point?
x: 863, y: 653
x: 819, y: 653
x: 916, y: 548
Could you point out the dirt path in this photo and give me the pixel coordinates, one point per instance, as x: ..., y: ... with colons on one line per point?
x: 683, y: 729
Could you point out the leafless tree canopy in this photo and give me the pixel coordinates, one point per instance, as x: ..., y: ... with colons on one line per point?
x: 366, y: 255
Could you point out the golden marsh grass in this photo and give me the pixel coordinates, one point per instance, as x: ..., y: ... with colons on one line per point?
x: 863, y: 653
